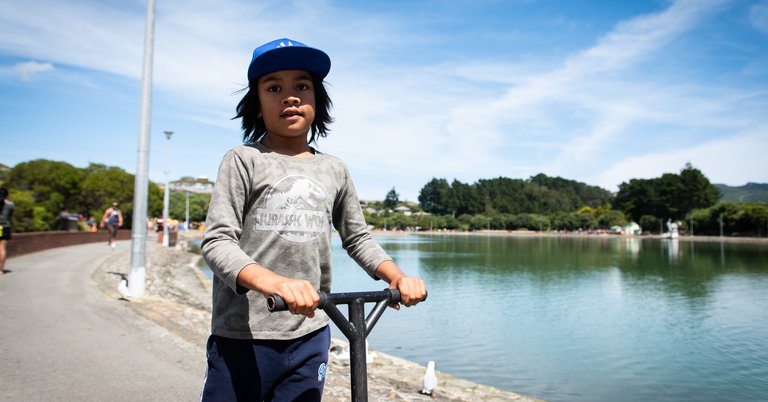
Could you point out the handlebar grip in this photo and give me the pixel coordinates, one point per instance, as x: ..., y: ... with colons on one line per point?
x: 276, y: 303
x: 395, y: 296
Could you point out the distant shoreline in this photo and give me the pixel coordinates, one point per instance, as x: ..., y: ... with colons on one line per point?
x: 532, y: 233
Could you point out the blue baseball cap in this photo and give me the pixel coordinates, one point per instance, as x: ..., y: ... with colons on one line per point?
x: 288, y: 54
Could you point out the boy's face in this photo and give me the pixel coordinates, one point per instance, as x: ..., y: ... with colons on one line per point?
x: 287, y: 100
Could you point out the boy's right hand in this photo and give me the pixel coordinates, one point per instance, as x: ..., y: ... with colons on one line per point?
x: 298, y: 294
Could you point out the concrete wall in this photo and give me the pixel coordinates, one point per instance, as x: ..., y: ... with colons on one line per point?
x: 25, y: 243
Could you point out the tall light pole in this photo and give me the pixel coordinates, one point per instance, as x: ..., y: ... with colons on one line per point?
x: 137, y: 276
x: 166, y: 196
x: 186, y: 220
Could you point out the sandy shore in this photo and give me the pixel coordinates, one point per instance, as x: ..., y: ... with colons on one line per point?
x: 178, y: 298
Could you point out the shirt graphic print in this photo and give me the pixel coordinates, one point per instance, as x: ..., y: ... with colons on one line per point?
x: 294, y: 208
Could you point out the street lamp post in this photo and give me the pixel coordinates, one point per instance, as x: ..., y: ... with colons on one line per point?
x: 137, y: 276
x: 166, y: 195
x: 186, y: 218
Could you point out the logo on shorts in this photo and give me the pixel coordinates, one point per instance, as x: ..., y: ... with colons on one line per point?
x: 321, y: 372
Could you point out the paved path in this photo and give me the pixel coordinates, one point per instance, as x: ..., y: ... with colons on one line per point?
x: 63, y: 340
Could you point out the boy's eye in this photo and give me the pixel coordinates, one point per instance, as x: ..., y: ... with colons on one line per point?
x: 302, y: 87
x: 273, y: 88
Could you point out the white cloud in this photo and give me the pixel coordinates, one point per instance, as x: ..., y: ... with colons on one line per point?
x: 27, y: 70
x: 723, y: 160
x: 88, y: 35
x: 758, y: 16
x: 588, y: 83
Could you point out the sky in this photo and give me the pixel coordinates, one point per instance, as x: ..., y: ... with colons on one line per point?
x: 595, y: 91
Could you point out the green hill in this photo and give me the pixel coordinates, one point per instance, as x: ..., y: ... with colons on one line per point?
x: 751, y: 192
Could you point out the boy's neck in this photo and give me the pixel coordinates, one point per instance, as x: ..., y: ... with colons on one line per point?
x: 297, y: 147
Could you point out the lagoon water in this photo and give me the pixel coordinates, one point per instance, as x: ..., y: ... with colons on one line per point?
x: 582, y: 319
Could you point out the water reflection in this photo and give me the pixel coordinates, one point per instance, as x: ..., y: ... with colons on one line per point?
x: 673, y: 246
x: 582, y: 319
x: 688, y: 271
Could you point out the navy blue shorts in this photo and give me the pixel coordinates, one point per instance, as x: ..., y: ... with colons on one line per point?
x: 267, y: 370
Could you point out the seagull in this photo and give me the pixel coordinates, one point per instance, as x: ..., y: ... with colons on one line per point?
x: 430, y: 380
x: 340, y: 353
x: 123, y: 289
x: 369, y: 356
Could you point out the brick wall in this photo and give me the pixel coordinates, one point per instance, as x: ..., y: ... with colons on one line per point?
x: 25, y: 243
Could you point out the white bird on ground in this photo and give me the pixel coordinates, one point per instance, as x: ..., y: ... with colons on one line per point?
x: 340, y: 353
x: 122, y: 288
x: 429, y: 383
x: 369, y: 356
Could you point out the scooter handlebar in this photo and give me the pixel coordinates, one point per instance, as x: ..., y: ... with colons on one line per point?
x: 276, y: 303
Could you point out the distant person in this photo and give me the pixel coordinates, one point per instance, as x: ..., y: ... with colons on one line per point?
x: 159, y: 227
x: 6, y: 213
x: 112, y: 220
x: 268, y: 232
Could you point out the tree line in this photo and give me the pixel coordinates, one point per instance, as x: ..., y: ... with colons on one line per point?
x: 43, y: 190
x: 538, y: 195
x: 557, y: 204
x: 46, y: 192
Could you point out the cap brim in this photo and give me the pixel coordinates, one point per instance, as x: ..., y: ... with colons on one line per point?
x: 290, y: 58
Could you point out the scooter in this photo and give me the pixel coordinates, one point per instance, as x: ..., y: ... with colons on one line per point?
x: 356, y: 328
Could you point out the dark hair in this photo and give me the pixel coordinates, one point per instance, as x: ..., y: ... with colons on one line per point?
x: 3, y: 192
x: 253, y: 125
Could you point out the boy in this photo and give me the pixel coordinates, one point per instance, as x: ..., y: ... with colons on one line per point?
x: 268, y: 231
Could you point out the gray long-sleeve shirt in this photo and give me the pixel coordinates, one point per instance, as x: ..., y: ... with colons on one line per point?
x: 277, y: 211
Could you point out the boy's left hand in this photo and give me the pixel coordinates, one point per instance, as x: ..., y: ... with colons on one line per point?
x: 412, y: 291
